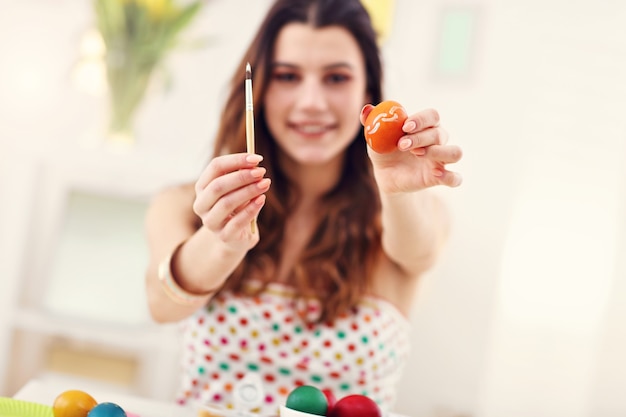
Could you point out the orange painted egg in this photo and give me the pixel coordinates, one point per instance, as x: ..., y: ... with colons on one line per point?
x: 73, y: 403
x: 383, y: 126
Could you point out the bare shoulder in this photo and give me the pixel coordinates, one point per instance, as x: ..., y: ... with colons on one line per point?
x: 176, y: 192
x: 174, y: 196
x: 175, y: 202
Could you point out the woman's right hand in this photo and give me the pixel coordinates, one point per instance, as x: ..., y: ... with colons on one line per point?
x: 230, y: 193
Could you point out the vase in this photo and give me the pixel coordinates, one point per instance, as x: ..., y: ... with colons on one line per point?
x: 127, y: 91
x: 121, y: 130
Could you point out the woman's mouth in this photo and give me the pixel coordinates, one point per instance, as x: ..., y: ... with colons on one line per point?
x: 311, y: 129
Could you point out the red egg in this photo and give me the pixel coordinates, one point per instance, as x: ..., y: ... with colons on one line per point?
x: 356, y: 405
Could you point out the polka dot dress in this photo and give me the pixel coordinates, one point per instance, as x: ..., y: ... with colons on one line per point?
x: 359, y: 353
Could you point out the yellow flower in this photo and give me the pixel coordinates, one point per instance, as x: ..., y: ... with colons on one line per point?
x: 138, y: 35
x: 157, y: 9
x: 381, y: 13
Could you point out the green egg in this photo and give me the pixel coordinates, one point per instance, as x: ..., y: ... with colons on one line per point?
x: 308, y: 399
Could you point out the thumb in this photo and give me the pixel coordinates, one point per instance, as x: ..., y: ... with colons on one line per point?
x: 365, y: 111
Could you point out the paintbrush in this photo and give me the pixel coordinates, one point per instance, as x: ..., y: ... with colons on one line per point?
x: 249, y: 121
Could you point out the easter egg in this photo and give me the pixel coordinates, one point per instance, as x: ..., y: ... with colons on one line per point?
x: 73, y: 403
x: 383, y: 126
x: 307, y: 399
x: 107, y: 410
x: 356, y: 405
x: 330, y: 398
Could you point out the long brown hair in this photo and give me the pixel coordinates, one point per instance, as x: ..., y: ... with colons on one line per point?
x: 337, y: 265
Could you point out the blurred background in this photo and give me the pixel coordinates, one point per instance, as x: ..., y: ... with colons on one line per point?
x: 525, y: 315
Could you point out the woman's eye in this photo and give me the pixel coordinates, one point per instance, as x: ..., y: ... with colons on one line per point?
x: 337, y: 78
x: 285, y: 76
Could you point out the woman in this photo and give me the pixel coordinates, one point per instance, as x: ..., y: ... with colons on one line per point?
x: 318, y: 292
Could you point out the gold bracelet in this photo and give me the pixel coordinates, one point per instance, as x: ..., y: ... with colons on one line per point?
x: 172, y: 289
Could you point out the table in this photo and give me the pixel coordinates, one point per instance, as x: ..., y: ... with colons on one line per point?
x: 44, y: 392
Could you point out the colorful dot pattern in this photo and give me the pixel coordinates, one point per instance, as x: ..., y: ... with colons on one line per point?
x: 359, y: 353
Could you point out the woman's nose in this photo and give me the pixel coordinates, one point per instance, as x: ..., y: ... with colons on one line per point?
x: 311, y: 96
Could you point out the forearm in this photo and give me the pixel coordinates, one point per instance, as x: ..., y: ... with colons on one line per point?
x: 199, y: 266
x: 203, y: 262
x: 415, y: 227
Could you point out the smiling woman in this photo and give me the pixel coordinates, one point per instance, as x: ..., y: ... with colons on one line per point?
x: 320, y: 293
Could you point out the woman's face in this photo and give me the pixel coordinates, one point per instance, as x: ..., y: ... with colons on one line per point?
x: 316, y: 91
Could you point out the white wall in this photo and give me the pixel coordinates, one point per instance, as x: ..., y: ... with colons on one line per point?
x: 525, y: 313
x: 564, y: 240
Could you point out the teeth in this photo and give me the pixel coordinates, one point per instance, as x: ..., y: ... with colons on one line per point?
x: 312, y: 129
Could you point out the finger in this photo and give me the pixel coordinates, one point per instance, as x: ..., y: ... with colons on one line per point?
x: 227, y: 183
x: 365, y: 111
x: 421, y: 120
x: 427, y: 137
x: 230, y: 205
x: 249, y: 212
x: 449, y: 178
x: 237, y: 210
x: 447, y: 154
x: 224, y: 164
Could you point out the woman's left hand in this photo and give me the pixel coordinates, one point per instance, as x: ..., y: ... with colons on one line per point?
x: 421, y: 158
